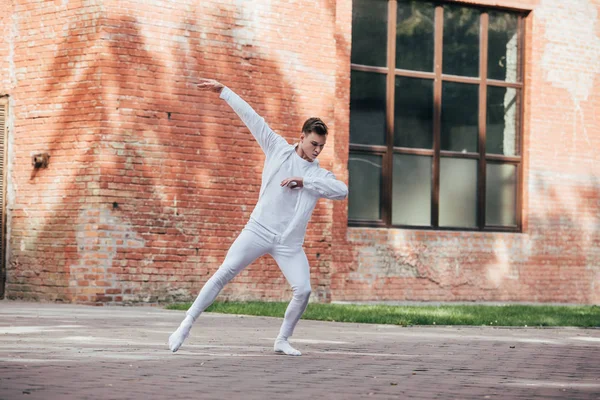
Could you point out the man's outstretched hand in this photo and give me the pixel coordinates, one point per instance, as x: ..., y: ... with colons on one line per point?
x: 209, y: 85
x: 293, y: 182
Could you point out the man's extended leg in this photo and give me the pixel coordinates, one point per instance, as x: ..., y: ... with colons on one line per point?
x: 246, y: 248
x: 294, y: 265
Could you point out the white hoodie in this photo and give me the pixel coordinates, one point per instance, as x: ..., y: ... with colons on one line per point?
x: 318, y: 182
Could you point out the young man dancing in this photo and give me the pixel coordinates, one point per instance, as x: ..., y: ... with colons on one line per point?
x: 292, y: 183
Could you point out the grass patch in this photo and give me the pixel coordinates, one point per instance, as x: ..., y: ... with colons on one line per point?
x: 477, y: 315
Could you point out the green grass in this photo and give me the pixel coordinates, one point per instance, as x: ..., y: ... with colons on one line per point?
x: 477, y: 315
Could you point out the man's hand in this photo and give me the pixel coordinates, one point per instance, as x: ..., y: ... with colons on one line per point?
x: 210, y: 85
x: 293, y: 182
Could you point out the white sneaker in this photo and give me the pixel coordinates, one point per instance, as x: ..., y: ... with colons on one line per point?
x: 283, y: 347
x: 178, y: 337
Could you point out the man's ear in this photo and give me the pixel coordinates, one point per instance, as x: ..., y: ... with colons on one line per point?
x: 302, y: 136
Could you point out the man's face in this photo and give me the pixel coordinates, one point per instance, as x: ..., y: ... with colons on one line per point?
x: 312, y: 144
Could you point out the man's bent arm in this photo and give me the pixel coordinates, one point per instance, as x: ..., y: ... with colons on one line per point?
x: 266, y: 138
x: 328, y: 186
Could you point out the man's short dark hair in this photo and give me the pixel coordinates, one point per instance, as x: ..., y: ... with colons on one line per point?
x: 315, y: 125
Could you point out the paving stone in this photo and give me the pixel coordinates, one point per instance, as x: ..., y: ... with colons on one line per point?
x: 57, y: 351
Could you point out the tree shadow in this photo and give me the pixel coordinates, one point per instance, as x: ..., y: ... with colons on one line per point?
x: 565, y: 233
x: 390, y: 264
x: 156, y: 179
x: 42, y: 238
x: 554, y: 260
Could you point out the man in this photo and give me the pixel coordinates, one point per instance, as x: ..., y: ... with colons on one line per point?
x: 292, y: 183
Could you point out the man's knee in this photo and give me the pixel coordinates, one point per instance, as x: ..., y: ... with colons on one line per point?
x: 224, y: 274
x: 302, y: 291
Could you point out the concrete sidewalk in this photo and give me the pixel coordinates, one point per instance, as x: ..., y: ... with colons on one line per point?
x: 51, y: 351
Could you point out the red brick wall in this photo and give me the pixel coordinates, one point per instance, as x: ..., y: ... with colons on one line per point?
x: 5, y: 46
x: 150, y: 181
x: 557, y: 257
x: 53, y: 108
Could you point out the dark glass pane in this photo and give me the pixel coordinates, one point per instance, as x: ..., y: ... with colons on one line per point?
x: 501, y: 195
x: 502, y: 118
x: 364, y: 186
x: 413, y: 113
x: 503, y: 46
x: 411, y: 202
x: 415, y: 35
x: 369, y: 32
x: 458, y: 192
x: 460, y: 115
x: 461, y: 41
x: 367, y: 108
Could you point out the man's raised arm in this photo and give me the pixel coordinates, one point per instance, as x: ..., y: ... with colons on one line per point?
x: 266, y: 138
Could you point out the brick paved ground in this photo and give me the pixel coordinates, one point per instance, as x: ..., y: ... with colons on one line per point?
x: 50, y: 351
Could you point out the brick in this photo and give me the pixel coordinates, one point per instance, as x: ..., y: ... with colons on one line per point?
x: 138, y: 203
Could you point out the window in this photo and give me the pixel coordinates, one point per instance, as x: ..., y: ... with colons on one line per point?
x: 435, y: 106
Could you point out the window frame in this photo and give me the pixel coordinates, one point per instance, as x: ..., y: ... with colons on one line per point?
x: 483, y: 82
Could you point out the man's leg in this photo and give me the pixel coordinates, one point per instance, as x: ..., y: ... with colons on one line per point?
x: 294, y: 265
x: 246, y: 248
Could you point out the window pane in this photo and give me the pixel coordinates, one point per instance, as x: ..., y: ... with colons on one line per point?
x: 501, y: 195
x: 413, y: 113
x: 365, y: 186
x: 411, y: 190
x: 458, y: 192
x: 461, y: 41
x: 502, y: 112
x: 414, y: 35
x: 367, y: 108
x: 460, y: 114
x: 369, y: 32
x: 503, y: 51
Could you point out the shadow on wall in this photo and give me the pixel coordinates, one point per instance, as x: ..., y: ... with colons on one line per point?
x: 555, y: 261
x: 152, y: 199
x: 566, y: 238
x: 41, y: 248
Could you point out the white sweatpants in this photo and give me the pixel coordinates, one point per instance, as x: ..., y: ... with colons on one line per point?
x: 255, y: 241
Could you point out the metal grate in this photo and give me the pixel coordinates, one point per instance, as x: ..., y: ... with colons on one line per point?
x: 3, y: 114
